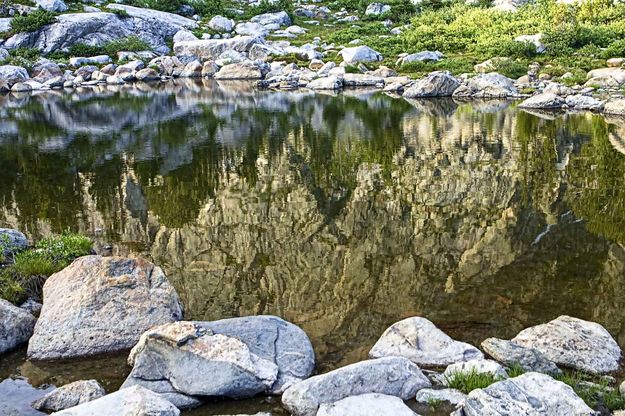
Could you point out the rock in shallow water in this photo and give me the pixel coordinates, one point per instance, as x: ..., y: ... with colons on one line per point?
x: 531, y: 394
x: 423, y: 343
x: 101, y: 304
x: 133, y: 401
x: 573, y: 343
x: 16, y: 326
x: 509, y: 353
x: 546, y: 101
x: 394, y: 376
x: 70, y: 395
x: 436, y: 84
x: 372, y: 404
x: 16, y: 396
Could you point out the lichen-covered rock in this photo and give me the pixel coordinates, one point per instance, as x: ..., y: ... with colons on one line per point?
x: 372, y: 404
x: 509, y: 353
x: 135, y: 401
x: 101, y: 304
x: 183, y: 353
x: 573, y: 343
x: 436, y: 84
x: 70, y: 395
x: 423, y: 343
x: 394, y: 376
x: 452, y: 396
x: 16, y: 326
x: 528, y: 394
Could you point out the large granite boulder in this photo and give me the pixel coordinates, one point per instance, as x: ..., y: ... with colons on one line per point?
x: 331, y: 83
x: 11, y: 241
x: 211, y: 49
x: 573, y: 343
x: 544, y: 101
x: 529, y: 359
x: 360, y: 54
x: 423, y: 343
x: 615, y: 106
x: 528, y: 394
x: 394, y: 376
x: 135, y: 401
x: 98, y: 28
x: 221, y: 24
x: 16, y: 326
x: 277, y: 18
x: 372, y: 404
x: 436, y: 84
x: 101, y: 304
x: 491, y: 85
x: 11, y: 75
x: 240, y: 70
x: 174, y: 359
x: 70, y: 395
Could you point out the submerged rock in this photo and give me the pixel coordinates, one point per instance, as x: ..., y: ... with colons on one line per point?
x: 509, y: 353
x: 70, y: 395
x: 16, y: 326
x: 135, y: 401
x: 394, y: 376
x: 16, y: 396
x: 333, y: 83
x: 101, y: 304
x: 546, y: 101
x: 423, y: 343
x: 528, y: 394
x: 259, y: 354
x: 573, y: 343
x: 372, y: 404
x: 436, y: 84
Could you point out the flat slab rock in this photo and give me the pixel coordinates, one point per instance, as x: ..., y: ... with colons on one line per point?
x: 573, y: 343
x: 531, y: 394
x: 135, y: 401
x: 393, y: 376
x: 372, y: 404
x: 16, y: 326
x: 101, y: 304
x: 423, y: 343
x: 70, y: 395
x: 509, y: 353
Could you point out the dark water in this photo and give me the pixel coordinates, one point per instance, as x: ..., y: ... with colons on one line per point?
x: 342, y: 214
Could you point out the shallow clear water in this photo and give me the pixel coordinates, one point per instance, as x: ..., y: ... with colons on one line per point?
x: 342, y: 214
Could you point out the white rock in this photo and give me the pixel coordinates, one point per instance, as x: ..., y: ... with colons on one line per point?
x: 528, y: 394
x: 333, y: 83
x: 615, y: 106
x: 583, y: 102
x: 92, y: 60
x: 56, y: 6
x: 452, y: 396
x: 221, y: 24
x: 423, y: 343
x: 251, y: 29
x: 12, y: 74
x: 375, y: 9
x: 184, y: 35
x: 509, y: 353
x: 70, y: 395
x: 475, y: 366
x: 543, y: 101
x: 278, y: 18
x: 16, y: 326
x: 371, y: 404
x: 574, y: 343
x: 360, y: 54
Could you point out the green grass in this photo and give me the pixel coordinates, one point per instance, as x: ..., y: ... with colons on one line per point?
x: 515, y: 370
x: 32, y: 21
x: 25, y: 276
x: 466, y: 382
x: 597, y: 395
x: 129, y: 44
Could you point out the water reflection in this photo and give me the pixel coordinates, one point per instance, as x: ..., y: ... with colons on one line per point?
x: 340, y: 213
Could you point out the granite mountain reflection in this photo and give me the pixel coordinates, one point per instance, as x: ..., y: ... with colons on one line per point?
x: 340, y: 213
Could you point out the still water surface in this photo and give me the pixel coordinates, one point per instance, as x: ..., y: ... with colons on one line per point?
x: 341, y: 213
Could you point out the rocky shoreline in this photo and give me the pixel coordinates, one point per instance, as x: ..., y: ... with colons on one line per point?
x: 104, y: 304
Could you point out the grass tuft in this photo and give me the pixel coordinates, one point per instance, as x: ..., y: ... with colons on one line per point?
x: 468, y: 381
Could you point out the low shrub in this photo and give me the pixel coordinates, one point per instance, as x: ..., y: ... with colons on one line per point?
x: 24, y: 57
x: 129, y: 44
x: 595, y: 391
x: 161, y: 5
x: 33, y: 21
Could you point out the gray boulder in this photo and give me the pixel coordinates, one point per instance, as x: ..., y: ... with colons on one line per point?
x: 423, y: 343
x: 278, y: 18
x: 420, y: 57
x: 362, y: 80
x: 135, y: 401
x: 360, y: 54
x: 16, y: 326
x: 509, y: 353
x: 16, y: 396
x: 452, y: 396
x: 528, y: 394
x: 182, y: 353
x: 573, y: 343
x: 394, y: 376
x: 147, y: 74
x: 70, y: 395
x: 56, y: 6
x: 221, y: 24
x: 544, y: 101
x: 491, y: 85
x: 192, y: 70
x: 615, y: 106
x: 583, y: 102
x: 331, y: 83
x: 436, y: 84
x: 240, y: 70
x: 11, y: 241
x: 5, y: 24
x: 12, y: 74
x: 184, y: 35
x: 211, y: 49
x: 101, y: 304
x: 251, y: 29
x: 376, y: 9
x: 371, y: 404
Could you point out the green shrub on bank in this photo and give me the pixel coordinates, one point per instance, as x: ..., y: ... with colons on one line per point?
x: 25, y: 276
x: 129, y: 44
x: 33, y: 21
x: 24, y: 57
